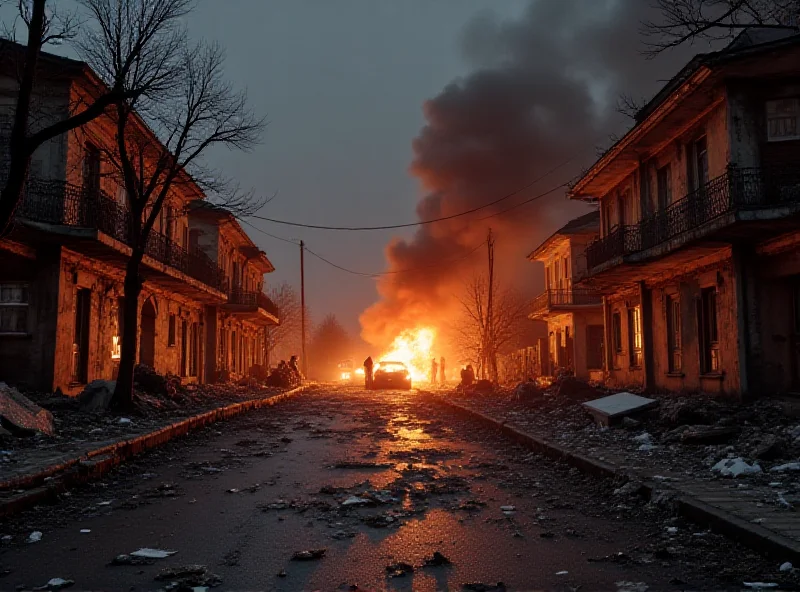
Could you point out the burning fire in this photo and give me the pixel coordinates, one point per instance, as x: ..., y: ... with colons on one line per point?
x: 413, y: 347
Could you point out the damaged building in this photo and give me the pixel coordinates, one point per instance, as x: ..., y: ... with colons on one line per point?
x: 698, y: 258
x: 203, y: 314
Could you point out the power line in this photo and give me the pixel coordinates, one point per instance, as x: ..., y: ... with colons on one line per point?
x: 433, y: 220
x: 364, y: 273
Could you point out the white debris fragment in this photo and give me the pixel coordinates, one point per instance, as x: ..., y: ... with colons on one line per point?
x: 152, y: 553
x: 786, y: 566
x: 56, y: 584
x: 735, y: 467
x: 355, y: 501
x: 104, y: 503
x: 782, y: 501
x: 672, y: 530
x: 507, y: 509
x: 35, y: 537
x: 562, y: 573
x: 124, y: 420
x: 760, y: 585
x: 647, y: 448
x: 643, y: 438
x: 85, y: 531
x: 792, y: 466
x: 775, y: 484
x: 632, y: 587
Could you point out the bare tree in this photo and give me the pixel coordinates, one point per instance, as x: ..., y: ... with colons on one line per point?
x: 330, y: 344
x: 45, y: 23
x: 188, y: 107
x: 686, y: 21
x: 285, y: 340
x: 629, y: 106
x: 479, y: 339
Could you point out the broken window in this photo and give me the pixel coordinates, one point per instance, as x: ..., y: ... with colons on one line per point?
x: 674, y: 333
x: 709, y: 352
x: 171, y: 331
x: 13, y: 308
x: 783, y: 120
x: 635, y: 336
x: 616, y: 321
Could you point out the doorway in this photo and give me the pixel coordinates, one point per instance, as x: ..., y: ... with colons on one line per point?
x: 594, y: 347
x: 147, y: 336
x: 80, y: 342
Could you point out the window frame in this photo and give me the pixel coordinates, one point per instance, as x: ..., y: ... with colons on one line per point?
x: 635, y: 339
x: 616, y: 332
x: 770, y: 117
x: 708, y: 332
x: 674, y: 350
x: 16, y: 306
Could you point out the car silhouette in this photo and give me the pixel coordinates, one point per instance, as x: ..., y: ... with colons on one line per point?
x: 391, y: 375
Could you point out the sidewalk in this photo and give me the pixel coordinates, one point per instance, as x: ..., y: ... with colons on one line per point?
x: 756, y: 509
x: 36, y: 473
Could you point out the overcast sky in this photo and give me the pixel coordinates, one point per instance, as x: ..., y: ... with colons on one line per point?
x: 342, y: 84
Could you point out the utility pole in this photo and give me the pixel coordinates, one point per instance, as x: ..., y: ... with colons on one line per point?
x: 489, y: 347
x: 303, y: 306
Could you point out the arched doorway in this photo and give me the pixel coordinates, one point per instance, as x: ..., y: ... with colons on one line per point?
x: 147, y: 335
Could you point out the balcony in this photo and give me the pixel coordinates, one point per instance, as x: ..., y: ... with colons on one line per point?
x: 70, y: 208
x: 747, y: 195
x: 558, y: 301
x: 252, y: 306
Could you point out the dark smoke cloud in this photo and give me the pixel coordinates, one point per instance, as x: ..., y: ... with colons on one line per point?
x: 543, y: 90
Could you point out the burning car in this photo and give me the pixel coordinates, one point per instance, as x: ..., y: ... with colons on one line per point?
x: 392, y: 375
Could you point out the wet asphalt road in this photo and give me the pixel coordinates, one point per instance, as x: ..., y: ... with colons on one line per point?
x: 242, y: 496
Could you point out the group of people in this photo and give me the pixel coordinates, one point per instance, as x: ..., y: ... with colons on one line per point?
x: 286, y: 374
x: 438, y: 370
x: 467, y: 376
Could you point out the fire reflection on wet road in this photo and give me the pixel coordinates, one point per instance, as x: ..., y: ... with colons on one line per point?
x: 374, y: 478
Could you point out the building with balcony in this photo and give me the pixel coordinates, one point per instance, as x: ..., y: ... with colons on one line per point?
x: 573, y: 313
x: 61, y: 269
x: 698, y: 258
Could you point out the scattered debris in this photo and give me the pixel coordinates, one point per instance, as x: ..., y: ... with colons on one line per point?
x: 792, y: 466
x: 356, y: 501
x: 399, y: 569
x: 56, y: 584
x: 786, y: 566
x: 436, y: 560
x: 760, y: 585
x: 309, y: 555
x: 481, y: 587
x: 630, y: 488
x: 189, y: 576
x: 97, y: 395
x: 85, y: 530
x: 508, y: 509
x: 148, y: 553
x: 735, y: 467
x: 607, y: 410
x: 22, y: 417
x: 562, y: 573
x: 124, y: 420
x: 35, y: 536
x: 709, y: 435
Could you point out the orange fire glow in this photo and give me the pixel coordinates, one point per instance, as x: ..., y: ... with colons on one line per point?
x: 413, y: 347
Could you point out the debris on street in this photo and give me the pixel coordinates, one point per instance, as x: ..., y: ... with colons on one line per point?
x: 22, y: 417
x: 309, y: 555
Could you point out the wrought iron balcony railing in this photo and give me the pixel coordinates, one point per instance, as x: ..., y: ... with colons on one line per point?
x: 252, y: 298
x: 64, y: 204
x: 737, y: 189
x: 550, y: 299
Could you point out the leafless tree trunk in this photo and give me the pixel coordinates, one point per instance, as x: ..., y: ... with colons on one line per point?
x: 285, y: 340
x: 686, y: 21
x: 188, y: 106
x: 45, y: 24
x: 479, y: 339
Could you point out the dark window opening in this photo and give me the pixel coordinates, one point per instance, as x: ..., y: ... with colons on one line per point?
x: 674, y: 333
x: 171, y: 331
x: 709, y: 352
x: 616, y: 321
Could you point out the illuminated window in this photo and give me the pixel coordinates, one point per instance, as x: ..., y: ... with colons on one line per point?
x: 635, y: 336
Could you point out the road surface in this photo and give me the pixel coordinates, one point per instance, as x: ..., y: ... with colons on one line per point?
x: 241, y: 497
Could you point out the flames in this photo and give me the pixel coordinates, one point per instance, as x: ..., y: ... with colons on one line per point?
x: 413, y: 347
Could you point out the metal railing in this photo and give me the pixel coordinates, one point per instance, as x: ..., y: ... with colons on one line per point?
x: 737, y: 189
x: 254, y: 299
x: 64, y: 204
x: 572, y: 297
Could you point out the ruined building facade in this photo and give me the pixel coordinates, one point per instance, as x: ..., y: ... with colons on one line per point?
x: 202, y: 310
x: 573, y: 313
x: 698, y: 259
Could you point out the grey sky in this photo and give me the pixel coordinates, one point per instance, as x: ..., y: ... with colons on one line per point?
x: 342, y: 83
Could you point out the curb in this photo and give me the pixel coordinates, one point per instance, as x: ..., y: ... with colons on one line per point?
x: 752, y: 535
x: 46, y: 484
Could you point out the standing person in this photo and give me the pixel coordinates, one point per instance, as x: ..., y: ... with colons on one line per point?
x: 434, y: 368
x: 368, y: 364
x: 442, y: 375
x: 470, y: 374
x: 295, y: 368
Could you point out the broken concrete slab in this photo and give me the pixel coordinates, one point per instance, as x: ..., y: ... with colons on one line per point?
x: 608, y: 410
x: 20, y: 415
x: 97, y: 395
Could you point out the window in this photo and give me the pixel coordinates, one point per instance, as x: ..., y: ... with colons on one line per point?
x: 616, y: 323
x: 698, y: 164
x: 233, y: 351
x: 635, y: 336
x: 193, y: 350
x: 674, y: 333
x: 709, y: 352
x: 116, y: 340
x: 171, y: 331
x: 664, y: 182
x: 91, y: 169
x: 14, y: 308
x: 783, y: 120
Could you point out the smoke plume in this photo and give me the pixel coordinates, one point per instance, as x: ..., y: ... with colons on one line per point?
x: 542, y: 92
